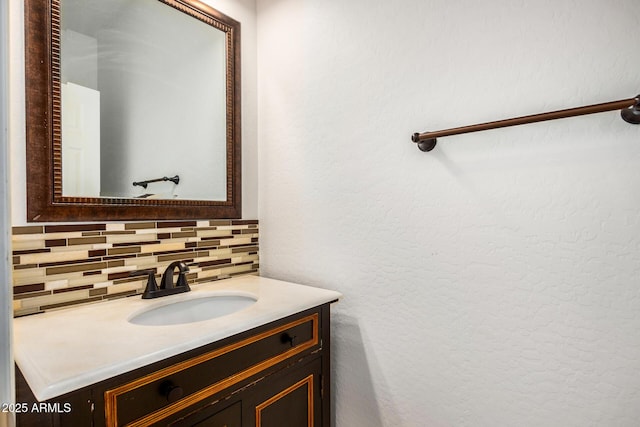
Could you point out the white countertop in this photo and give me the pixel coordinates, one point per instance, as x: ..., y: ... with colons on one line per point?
x: 62, y: 351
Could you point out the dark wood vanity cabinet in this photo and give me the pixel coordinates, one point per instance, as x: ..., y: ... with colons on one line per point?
x: 290, y: 398
x: 276, y: 375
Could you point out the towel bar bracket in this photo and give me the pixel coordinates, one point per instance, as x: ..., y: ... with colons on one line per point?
x: 426, y: 144
x: 632, y: 113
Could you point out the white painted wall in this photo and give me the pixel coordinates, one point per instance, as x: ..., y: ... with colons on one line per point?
x: 80, y: 59
x: 7, y: 394
x: 16, y: 102
x: 495, y: 280
x: 241, y: 10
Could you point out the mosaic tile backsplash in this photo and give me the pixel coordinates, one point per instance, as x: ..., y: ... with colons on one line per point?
x: 57, y: 266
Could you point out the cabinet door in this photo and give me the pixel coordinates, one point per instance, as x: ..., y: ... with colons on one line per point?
x: 221, y: 414
x: 229, y: 417
x: 290, y: 398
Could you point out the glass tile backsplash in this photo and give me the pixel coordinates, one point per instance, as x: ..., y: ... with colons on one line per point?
x: 58, y: 266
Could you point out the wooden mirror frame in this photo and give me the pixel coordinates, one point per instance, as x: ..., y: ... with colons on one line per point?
x: 45, y: 201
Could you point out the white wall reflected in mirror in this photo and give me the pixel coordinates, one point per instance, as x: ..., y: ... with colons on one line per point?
x: 143, y: 97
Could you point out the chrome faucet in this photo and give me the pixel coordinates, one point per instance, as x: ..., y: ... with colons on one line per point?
x: 167, y: 287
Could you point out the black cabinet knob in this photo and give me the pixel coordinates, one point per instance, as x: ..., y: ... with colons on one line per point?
x: 171, y: 391
x: 287, y: 338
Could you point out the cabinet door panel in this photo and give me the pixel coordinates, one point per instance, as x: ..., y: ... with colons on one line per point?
x: 293, y: 406
x: 229, y: 417
x: 291, y: 398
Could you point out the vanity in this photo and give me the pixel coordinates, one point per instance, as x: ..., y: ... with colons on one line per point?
x: 265, y: 364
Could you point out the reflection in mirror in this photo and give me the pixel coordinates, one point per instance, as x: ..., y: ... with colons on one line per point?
x: 143, y: 90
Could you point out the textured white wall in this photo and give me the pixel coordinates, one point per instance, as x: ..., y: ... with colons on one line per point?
x: 496, y: 280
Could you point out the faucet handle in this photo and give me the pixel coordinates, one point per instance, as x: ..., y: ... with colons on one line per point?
x: 152, y: 286
x: 182, y: 278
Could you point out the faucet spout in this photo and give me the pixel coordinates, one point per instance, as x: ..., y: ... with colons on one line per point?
x: 167, y: 277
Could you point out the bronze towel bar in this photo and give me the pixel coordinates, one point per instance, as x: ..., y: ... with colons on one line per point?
x: 630, y: 113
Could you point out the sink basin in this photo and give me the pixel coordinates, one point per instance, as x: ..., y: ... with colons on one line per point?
x: 192, y: 310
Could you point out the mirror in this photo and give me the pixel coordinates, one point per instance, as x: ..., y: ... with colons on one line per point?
x: 133, y: 110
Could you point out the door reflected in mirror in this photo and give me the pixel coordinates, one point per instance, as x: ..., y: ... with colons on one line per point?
x: 143, y: 97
